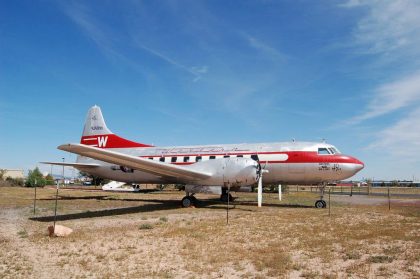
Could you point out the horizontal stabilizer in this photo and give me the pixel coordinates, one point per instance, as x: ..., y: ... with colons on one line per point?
x: 71, y: 164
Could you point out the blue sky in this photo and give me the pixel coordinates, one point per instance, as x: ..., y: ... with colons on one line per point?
x: 205, y: 72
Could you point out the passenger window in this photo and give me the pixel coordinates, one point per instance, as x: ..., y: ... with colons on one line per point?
x: 226, y: 156
x: 150, y: 158
x: 198, y: 159
x: 212, y: 157
x: 240, y: 156
x: 162, y: 159
x: 186, y: 159
x: 173, y: 159
x: 323, y: 151
x: 254, y: 157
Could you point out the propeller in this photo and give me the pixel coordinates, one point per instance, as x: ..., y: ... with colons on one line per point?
x: 260, y: 171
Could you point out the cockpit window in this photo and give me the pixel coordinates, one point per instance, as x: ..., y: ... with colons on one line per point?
x: 331, y: 150
x: 336, y: 151
x: 323, y: 151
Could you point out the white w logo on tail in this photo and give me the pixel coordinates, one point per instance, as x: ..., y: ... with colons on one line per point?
x: 102, y: 141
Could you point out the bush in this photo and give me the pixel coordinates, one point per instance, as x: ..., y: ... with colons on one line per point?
x: 146, y: 226
x: 15, y: 181
x: 4, y: 183
x: 35, y: 177
x: 49, y: 180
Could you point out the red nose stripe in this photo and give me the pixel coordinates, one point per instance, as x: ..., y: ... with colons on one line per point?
x: 314, y: 157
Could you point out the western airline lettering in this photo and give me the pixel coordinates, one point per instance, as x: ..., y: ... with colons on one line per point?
x: 102, y: 141
x: 199, y: 150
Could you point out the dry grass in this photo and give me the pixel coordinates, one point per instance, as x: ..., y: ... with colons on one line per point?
x: 150, y: 236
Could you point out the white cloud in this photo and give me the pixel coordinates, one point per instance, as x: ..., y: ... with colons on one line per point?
x: 264, y: 48
x: 392, y: 96
x: 81, y: 15
x: 389, y: 32
x: 195, y: 71
x: 104, y: 38
x: 401, y: 139
x: 390, y: 28
x: 351, y: 4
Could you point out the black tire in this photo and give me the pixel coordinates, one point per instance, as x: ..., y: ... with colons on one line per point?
x: 324, y: 204
x: 320, y: 204
x: 187, y: 202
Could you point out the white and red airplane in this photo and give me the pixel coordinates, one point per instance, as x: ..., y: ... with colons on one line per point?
x: 216, y: 168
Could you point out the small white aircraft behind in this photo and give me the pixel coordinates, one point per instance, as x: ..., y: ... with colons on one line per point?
x: 215, y: 168
x: 116, y: 186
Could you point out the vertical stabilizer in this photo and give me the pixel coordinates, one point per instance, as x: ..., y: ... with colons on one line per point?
x: 95, y: 123
x: 96, y: 133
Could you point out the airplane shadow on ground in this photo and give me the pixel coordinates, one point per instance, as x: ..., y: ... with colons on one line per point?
x: 99, y: 198
x: 252, y: 203
x: 157, y: 205
x: 162, y: 205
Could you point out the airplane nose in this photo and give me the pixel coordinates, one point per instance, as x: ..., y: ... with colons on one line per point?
x: 358, y: 165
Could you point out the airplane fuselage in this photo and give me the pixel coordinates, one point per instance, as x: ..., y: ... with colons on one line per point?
x: 286, y: 162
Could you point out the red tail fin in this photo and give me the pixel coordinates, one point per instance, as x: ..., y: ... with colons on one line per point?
x: 96, y: 133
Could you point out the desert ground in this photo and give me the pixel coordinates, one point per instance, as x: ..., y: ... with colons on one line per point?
x: 148, y: 235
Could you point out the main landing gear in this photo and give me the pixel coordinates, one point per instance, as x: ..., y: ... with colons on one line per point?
x: 224, y: 196
x: 189, y: 200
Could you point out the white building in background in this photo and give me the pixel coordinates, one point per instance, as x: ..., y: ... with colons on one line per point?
x: 13, y: 173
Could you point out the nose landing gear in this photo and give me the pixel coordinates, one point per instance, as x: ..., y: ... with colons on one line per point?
x: 320, y: 204
x: 225, y: 195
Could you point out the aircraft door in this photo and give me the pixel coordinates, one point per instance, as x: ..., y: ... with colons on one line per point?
x: 297, y: 163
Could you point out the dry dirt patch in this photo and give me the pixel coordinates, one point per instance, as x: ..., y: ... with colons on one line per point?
x: 150, y: 236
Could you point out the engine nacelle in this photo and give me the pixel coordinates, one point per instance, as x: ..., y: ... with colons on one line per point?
x: 233, y: 171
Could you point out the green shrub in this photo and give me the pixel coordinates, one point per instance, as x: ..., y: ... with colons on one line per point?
x: 35, y: 177
x: 146, y: 226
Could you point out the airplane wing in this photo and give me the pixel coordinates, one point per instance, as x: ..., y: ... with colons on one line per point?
x: 72, y: 164
x: 137, y: 163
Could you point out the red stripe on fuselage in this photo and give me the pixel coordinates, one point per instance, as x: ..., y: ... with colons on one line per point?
x: 293, y: 157
x: 314, y: 157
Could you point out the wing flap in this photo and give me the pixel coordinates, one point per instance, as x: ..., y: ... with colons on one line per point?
x: 137, y: 163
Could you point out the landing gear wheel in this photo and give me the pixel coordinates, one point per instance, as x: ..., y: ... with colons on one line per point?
x: 224, y: 197
x: 320, y: 204
x: 187, y: 201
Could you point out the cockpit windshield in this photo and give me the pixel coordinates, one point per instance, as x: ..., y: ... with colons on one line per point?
x: 323, y: 151
x: 328, y: 150
x: 334, y: 150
